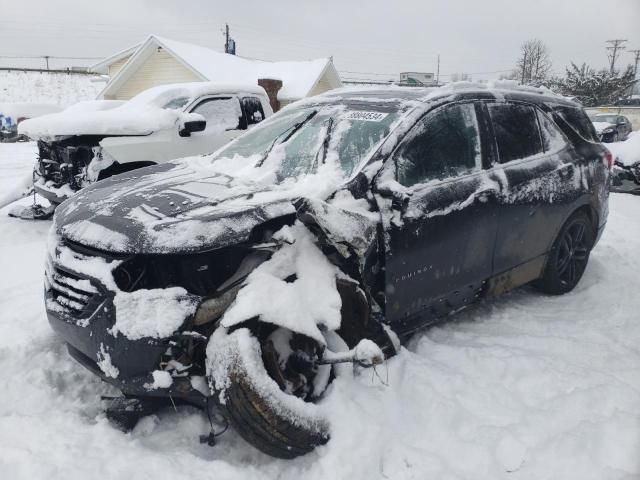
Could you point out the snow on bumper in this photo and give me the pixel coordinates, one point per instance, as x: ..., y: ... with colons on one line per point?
x: 48, y: 190
x: 82, y: 301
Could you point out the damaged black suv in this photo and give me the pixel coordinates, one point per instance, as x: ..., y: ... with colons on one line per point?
x: 239, y: 282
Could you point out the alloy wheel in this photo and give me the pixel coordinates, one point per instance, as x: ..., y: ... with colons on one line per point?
x: 573, y: 253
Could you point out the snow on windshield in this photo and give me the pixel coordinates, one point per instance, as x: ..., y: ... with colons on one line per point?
x: 321, y: 141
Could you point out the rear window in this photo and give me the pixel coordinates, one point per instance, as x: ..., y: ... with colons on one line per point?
x: 516, y: 131
x: 578, y: 121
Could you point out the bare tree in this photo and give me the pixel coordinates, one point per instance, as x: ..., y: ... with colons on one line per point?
x: 534, y: 64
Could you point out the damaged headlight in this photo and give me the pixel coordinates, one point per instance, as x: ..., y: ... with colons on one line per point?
x: 101, y: 160
x: 214, y: 307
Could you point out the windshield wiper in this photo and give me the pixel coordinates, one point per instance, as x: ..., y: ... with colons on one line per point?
x: 325, y: 142
x: 289, y: 133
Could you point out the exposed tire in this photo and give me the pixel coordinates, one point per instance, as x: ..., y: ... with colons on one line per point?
x: 569, y: 256
x: 276, y: 423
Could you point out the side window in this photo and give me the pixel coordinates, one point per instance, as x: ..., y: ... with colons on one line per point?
x: 552, y: 139
x: 253, y: 110
x: 578, y: 121
x: 516, y: 131
x: 444, y: 144
x: 221, y: 113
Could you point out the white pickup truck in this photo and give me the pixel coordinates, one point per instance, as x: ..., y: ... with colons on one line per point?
x: 94, y: 140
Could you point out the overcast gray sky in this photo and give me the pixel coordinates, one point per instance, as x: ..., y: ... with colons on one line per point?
x: 373, y: 36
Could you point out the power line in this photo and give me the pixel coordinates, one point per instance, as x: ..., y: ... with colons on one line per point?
x: 50, y: 56
x: 616, y: 45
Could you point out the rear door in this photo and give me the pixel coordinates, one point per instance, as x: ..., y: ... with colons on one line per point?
x: 535, y: 168
x: 441, y: 231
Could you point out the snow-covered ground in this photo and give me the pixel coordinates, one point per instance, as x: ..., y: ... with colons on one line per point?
x: 627, y: 152
x: 523, y: 387
x: 61, y: 89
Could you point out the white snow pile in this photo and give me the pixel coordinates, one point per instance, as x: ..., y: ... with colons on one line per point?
x: 161, y: 379
x: 105, y: 364
x: 154, y: 109
x: 153, y: 313
x: 304, y: 304
x: 55, y: 88
x: 627, y: 152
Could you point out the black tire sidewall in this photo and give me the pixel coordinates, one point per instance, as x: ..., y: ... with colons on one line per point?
x: 550, y: 282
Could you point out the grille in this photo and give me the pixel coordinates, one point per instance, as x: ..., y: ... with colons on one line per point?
x: 71, y: 293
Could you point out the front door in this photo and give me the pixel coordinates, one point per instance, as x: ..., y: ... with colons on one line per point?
x: 442, y: 226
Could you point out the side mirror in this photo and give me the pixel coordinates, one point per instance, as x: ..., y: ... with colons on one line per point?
x: 192, y: 126
x: 399, y: 198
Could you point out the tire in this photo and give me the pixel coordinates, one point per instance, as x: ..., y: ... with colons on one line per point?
x: 276, y: 423
x: 568, y: 257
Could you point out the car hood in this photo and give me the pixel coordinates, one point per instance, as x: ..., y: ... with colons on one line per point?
x: 601, y: 126
x: 169, y: 208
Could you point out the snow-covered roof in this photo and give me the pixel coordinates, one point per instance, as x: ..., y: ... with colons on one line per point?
x: 103, y: 65
x: 298, y: 77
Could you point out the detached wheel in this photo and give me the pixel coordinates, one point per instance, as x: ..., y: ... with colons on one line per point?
x: 266, y: 383
x: 568, y: 257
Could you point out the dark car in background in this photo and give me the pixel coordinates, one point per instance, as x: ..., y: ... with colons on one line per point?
x: 419, y: 202
x: 611, y: 127
x: 628, y: 102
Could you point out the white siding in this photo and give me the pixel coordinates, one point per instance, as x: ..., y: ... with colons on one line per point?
x: 322, y: 86
x: 159, y: 69
x: 116, y: 66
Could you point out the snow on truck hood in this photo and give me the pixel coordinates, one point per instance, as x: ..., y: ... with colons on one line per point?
x: 122, y: 120
x: 174, y: 207
x: 142, y: 115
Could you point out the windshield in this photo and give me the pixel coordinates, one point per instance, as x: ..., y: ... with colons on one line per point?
x: 165, y: 97
x: 176, y: 103
x: 605, y: 118
x: 298, y: 142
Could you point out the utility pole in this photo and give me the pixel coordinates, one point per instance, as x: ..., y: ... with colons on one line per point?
x: 524, y: 67
x: 46, y: 59
x: 615, y: 46
x: 635, y: 68
x: 438, y: 72
x: 226, y: 38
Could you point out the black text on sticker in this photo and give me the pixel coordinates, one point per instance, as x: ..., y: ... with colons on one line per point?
x: 366, y: 116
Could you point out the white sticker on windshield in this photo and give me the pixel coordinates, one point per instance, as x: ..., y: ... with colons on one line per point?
x: 365, y: 116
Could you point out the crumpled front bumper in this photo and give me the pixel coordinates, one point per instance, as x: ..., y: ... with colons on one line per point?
x: 83, y: 314
x: 46, y: 189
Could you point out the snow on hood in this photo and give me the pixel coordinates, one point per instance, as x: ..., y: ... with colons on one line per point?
x: 176, y: 207
x: 142, y: 115
x: 600, y: 126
